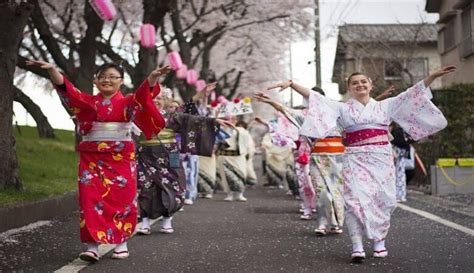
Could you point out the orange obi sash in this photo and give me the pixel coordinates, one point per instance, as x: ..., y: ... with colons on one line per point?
x: 330, y: 145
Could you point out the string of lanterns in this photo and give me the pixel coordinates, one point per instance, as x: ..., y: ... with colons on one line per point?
x: 106, y: 10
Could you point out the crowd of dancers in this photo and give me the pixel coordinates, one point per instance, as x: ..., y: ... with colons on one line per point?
x: 145, y: 155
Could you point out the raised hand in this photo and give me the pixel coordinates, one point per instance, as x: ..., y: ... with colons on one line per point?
x: 261, y: 97
x: 225, y: 123
x: 386, y: 93
x: 283, y: 85
x: 155, y: 74
x: 54, y: 75
x: 438, y: 73
x: 205, y: 92
x: 42, y: 64
x: 209, y: 88
x: 443, y: 71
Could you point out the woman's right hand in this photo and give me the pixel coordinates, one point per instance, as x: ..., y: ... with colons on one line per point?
x: 54, y: 75
x: 42, y: 64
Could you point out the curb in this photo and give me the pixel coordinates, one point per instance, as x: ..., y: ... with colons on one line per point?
x: 23, y: 214
x: 466, y: 210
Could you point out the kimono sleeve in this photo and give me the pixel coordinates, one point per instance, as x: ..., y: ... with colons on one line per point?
x: 296, y: 117
x: 198, y: 133
x: 322, y: 116
x: 81, y: 104
x: 415, y: 113
x: 146, y: 115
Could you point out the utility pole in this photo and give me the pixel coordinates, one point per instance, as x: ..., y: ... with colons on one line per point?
x: 291, y: 74
x: 317, y: 43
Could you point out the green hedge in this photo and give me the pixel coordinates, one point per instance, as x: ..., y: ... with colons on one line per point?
x: 457, y: 139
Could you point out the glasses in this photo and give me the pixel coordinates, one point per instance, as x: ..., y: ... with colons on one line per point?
x: 112, y: 78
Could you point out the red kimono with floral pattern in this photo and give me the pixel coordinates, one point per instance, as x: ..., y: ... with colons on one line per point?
x: 107, y: 169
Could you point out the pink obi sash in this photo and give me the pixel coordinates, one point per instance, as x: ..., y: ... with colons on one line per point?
x: 367, y: 137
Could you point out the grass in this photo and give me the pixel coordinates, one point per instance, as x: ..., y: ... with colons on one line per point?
x: 48, y: 167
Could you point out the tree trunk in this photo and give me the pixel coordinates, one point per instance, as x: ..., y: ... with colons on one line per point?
x: 84, y: 77
x: 153, y: 13
x: 13, y: 18
x: 45, y: 130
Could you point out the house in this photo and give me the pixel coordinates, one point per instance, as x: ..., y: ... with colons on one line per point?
x: 456, y: 37
x: 399, y: 54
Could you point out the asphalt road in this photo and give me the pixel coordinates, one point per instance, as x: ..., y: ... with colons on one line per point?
x: 262, y: 235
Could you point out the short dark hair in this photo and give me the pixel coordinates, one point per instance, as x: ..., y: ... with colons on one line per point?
x: 319, y: 90
x: 106, y: 66
x: 241, y: 123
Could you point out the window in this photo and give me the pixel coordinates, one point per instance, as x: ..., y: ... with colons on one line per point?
x: 448, y: 36
x: 416, y: 70
x: 467, y: 41
x: 392, y: 70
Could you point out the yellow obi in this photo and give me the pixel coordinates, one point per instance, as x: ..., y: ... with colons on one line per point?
x: 166, y: 136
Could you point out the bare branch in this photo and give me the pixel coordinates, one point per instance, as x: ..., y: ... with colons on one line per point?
x: 47, y: 37
x: 21, y: 63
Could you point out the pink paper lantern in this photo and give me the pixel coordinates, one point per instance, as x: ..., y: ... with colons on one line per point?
x: 175, y: 60
x: 200, y: 85
x: 105, y: 9
x: 147, y: 35
x: 191, y: 77
x: 182, y: 72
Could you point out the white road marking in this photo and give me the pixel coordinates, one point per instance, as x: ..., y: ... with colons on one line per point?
x: 437, y: 219
x: 78, y: 264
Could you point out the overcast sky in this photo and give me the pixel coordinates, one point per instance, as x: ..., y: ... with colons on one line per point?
x: 332, y: 13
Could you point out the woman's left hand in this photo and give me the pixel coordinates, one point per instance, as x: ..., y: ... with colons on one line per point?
x: 443, y: 71
x: 262, y: 98
x: 205, y: 92
x: 225, y: 123
x: 155, y: 74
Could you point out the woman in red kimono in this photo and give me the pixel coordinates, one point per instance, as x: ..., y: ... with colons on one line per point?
x: 107, y: 167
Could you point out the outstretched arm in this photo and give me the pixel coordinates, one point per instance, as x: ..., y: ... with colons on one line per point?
x: 266, y: 99
x: 438, y: 73
x: 55, y: 76
x: 296, y: 119
x: 298, y: 88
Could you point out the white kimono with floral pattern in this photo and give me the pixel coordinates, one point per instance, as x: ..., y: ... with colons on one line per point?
x: 368, y: 171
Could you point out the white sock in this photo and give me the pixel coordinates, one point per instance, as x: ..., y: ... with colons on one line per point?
x: 121, y: 247
x: 145, y: 222
x: 307, y: 211
x: 379, y: 245
x: 166, y: 222
x: 94, y: 247
x: 357, y: 244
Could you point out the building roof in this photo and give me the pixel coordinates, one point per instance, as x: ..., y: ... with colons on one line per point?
x: 396, y: 33
x: 432, y: 5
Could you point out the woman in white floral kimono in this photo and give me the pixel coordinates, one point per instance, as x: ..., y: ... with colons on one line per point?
x: 368, y: 169
x: 325, y: 172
